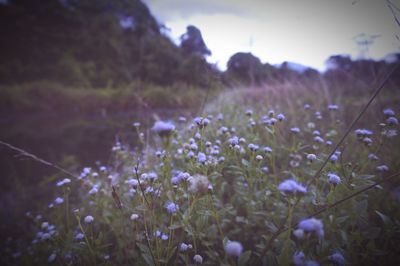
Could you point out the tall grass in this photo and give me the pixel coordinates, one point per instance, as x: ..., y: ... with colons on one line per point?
x: 230, y: 188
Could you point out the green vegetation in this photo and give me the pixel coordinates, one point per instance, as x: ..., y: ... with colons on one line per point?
x: 236, y: 187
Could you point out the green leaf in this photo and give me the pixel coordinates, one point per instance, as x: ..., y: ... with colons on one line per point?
x: 386, y: 219
x: 146, y: 254
x: 175, y: 226
x: 244, y: 258
x: 362, y: 207
x: 245, y: 162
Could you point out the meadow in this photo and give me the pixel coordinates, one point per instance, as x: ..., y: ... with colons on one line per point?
x: 255, y: 179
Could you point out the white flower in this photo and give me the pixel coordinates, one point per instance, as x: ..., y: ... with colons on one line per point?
x: 298, y: 233
x: 291, y: 186
x: 198, y: 183
x: 44, y: 225
x: 312, y: 225
x: 93, y: 191
x: 89, y: 219
x: 198, y: 259
x: 63, y: 182
x: 134, y: 217
x: 59, y: 200
x: 233, y: 248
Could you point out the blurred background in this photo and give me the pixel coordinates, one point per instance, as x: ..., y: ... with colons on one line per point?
x: 76, y: 74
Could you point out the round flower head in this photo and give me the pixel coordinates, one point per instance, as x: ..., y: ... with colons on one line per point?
x: 295, y: 130
x: 249, y: 112
x: 198, y: 183
x: 163, y: 128
x: 382, y: 168
x: 253, y: 147
x: 198, y: 259
x: 337, y: 258
x: 312, y: 225
x: 201, y: 158
x: 51, y: 258
x: 171, y: 207
x: 183, y: 247
x: 233, y: 248
x: 372, y: 157
x: 134, y: 217
x: 388, y: 112
x: 311, y: 263
x: 281, y: 117
x: 291, y: 186
x: 298, y: 258
x: 267, y: 149
x: 333, y: 179
x: 59, y: 200
x: 234, y: 141
x: 392, y: 121
x: 89, y: 219
x: 332, y: 107
x: 311, y: 157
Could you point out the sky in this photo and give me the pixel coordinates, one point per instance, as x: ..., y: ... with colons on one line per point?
x: 300, y: 31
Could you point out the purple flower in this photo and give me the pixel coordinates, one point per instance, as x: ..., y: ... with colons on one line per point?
x: 291, y: 186
x: 171, y: 207
x: 312, y: 225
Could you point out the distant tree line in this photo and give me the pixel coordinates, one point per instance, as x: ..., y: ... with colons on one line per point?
x: 95, y: 43
x: 342, y: 71
x: 110, y: 43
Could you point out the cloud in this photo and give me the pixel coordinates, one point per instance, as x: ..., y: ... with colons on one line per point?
x: 304, y: 31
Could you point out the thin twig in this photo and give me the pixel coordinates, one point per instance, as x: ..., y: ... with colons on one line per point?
x: 36, y: 158
x: 377, y: 91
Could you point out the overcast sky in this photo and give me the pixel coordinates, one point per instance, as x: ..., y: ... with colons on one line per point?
x: 302, y: 31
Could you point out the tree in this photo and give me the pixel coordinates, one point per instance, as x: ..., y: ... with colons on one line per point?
x: 245, y: 68
x: 192, y: 42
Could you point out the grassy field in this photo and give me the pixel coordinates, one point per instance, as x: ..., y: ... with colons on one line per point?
x: 244, y: 183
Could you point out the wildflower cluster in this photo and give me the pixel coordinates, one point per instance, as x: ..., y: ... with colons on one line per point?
x: 217, y: 190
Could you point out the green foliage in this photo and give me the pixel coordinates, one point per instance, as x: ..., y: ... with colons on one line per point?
x: 90, y: 43
x: 236, y: 198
